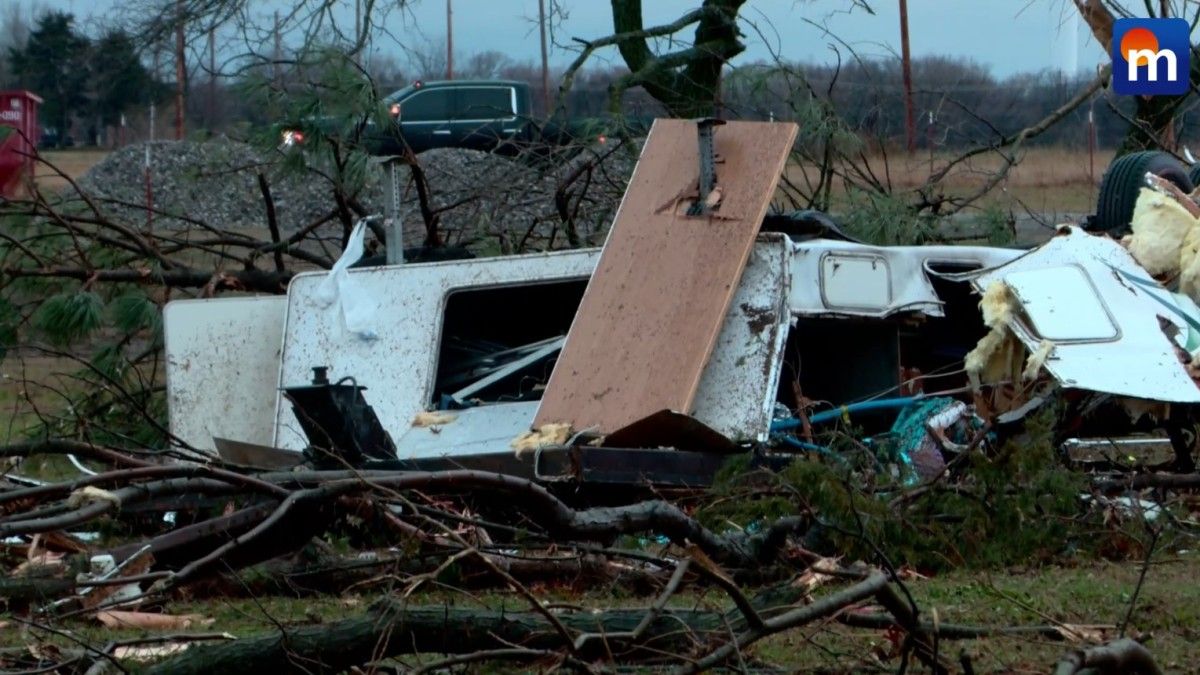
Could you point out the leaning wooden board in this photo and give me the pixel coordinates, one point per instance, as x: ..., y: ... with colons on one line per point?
x: 653, y: 308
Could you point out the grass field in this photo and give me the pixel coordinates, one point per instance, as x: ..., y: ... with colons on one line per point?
x: 73, y: 162
x: 1098, y: 594
x: 1046, y: 181
x: 1093, y: 595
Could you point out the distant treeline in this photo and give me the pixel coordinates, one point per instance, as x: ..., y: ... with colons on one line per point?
x: 956, y: 103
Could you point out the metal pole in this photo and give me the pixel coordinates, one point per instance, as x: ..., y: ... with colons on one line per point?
x: 906, y: 63
x: 708, y: 169
x: 449, y: 42
x: 394, y: 223
x: 146, y: 162
x: 1091, y: 128
x: 275, y: 72
x: 545, y: 62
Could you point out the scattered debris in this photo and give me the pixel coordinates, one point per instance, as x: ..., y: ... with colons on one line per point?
x: 89, y: 493
x: 547, y: 434
x: 121, y: 619
x: 510, y: 418
x: 434, y: 418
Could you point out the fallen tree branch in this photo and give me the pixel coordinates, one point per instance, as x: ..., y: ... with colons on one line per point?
x: 1171, y: 481
x: 953, y: 631
x: 238, y: 280
x: 99, y: 453
x: 1121, y: 657
x: 391, y: 628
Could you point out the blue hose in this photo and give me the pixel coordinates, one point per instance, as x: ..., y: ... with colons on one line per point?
x: 795, y: 443
x: 837, y: 413
x: 812, y: 447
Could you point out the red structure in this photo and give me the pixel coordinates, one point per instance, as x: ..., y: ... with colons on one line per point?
x: 18, y: 109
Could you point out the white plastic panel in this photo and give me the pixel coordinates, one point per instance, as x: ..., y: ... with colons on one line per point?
x: 474, y: 431
x: 1061, y: 305
x: 855, y: 281
x: 826, y: 279
x: 398, y: 368
x: 1142, y: 362
x: 223, y: 368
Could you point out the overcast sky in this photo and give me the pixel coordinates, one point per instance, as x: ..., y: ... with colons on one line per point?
x: 1008, y: 36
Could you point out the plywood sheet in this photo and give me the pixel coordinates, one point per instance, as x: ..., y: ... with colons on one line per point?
x: 655, y: 304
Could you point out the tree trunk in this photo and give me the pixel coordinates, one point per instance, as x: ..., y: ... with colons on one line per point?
x: 1154, y: 124
x: 1154, y: 117
x: 687, y: 81
x: 390, y: 629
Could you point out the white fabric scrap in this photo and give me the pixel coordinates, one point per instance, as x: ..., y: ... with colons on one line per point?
x: 357, y: 307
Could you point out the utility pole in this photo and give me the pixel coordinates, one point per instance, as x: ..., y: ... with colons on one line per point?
x: 906, y: 64
x: 275, y: 74
x: 545, y: 62
x: 180, y: 70
x: 358, y: 31
x: 149, y: 184
x: 449, y: 42
x: 212, y: 79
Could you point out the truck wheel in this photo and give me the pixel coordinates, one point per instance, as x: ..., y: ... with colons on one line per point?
x: 1122, y: 181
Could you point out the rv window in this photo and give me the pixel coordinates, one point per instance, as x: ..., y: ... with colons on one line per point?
x: 500, y: 344
x: 1061, y: 304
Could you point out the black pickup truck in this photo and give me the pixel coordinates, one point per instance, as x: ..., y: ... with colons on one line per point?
x: 486, y: 115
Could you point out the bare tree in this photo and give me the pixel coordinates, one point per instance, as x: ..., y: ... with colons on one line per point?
x: 485, y: 65
x: 16, y: 19
x: 427, y: 61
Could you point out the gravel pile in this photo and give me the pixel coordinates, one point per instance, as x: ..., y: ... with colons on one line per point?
x: 487, y: 201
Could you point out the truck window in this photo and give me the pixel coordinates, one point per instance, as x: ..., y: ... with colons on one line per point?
x: 427, y: 106
x: 485, y: 103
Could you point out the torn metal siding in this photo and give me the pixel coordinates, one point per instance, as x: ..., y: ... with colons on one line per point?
x: 473, y: 431
x: 737, y: 390
x: 398, y: 368
x: 1079, y: 292
x: 222, y: 365
x: 837, y: 278
x: 735, y: 396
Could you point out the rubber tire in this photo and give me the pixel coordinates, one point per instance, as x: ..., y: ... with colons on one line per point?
x: 1194, y: 174
x: 1124, y: 179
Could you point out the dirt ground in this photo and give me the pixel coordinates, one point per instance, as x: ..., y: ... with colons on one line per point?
x: 72, y: 162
